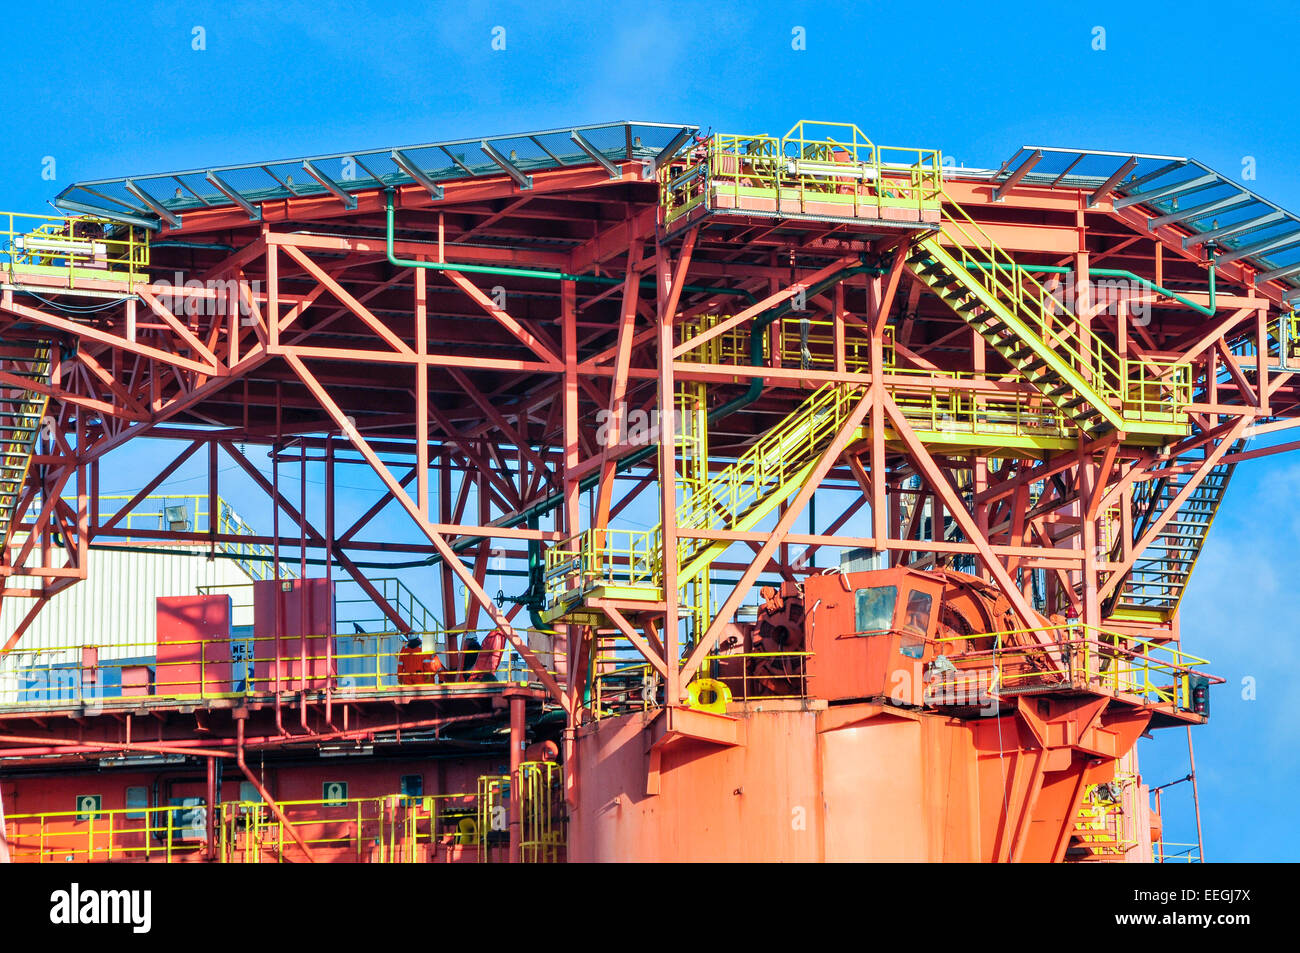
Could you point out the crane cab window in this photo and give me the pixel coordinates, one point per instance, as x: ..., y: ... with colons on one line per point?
x: 917, y: 617
x: 916, y: 623
x: 875, y: 609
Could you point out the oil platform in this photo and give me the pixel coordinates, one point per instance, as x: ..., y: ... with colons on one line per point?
x: 845, y: 498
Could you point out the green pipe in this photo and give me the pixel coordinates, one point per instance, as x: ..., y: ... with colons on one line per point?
x: 536, y: 580
x: 198, y: 246
x: 528, y: 272
x: 1119, y: 273
x: 1111, y: 273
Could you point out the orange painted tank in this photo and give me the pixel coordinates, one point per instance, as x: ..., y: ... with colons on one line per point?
x: 861, y: 766
x: 863, y: 781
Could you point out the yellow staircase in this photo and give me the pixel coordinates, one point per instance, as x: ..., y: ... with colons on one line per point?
x: 1154, y: 587
x: 1021, y: 320
x: 740, y: 496
x: 626, y: 563
x: 1045, y: 343
x: 1102, y: 830
x: 21, y: 411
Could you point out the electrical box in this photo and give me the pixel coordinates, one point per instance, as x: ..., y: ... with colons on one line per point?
x: 177, y: 518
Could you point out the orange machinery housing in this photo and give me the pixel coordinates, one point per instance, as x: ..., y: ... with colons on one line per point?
x: 913, y: 734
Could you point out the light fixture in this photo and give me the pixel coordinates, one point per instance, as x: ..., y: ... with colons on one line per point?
x: 346, y: 750
x: 140, y: 760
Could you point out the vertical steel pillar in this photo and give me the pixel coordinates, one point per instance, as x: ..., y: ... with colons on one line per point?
x: 211, y: 826
x: 573, y: 634
x: 518, y: 726
x: 329, y: 572
x: 668, y: 478
x: 1088, y: 540
x: 876, y: 392
x: 275, y: 544
x: 421, y: 395
x: 4, y: 839
x: 449, y: 614
x: 1160, y: 844
x: 1196, y: 796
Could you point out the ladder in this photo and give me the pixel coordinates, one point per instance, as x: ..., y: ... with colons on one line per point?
x: 21, y: 411
x: 1101, y: 826
x: 1159, y: 576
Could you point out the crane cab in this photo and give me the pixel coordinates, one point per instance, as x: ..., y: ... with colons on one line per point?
x: 870, y: 634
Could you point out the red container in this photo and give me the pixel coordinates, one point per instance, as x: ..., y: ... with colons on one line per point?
x: 137, y: 681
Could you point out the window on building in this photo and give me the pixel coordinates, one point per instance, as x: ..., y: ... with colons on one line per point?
x: 875, y: 609
x: 248, y: 793
x: 137, y: 798
x: 413, y: 785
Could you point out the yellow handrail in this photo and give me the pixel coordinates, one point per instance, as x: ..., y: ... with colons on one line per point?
x: 72, y: 248
x: 1157, y: 673
x: 103, y: 834
x: 542, y: 812
x: 984, y: 261
x: 206, y: 669
x: 764, y: 470
x: 832, y: 164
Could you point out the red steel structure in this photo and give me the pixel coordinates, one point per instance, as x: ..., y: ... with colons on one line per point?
x: 1022, y: 392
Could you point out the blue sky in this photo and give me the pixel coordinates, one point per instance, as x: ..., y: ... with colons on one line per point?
x: 116, y: 89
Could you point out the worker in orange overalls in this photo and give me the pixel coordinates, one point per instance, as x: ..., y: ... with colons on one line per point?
x: 415, y: 666
x: 469, y: 661
x: 479, y: 662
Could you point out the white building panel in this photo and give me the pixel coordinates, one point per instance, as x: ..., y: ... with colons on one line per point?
x: 114, y: 608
